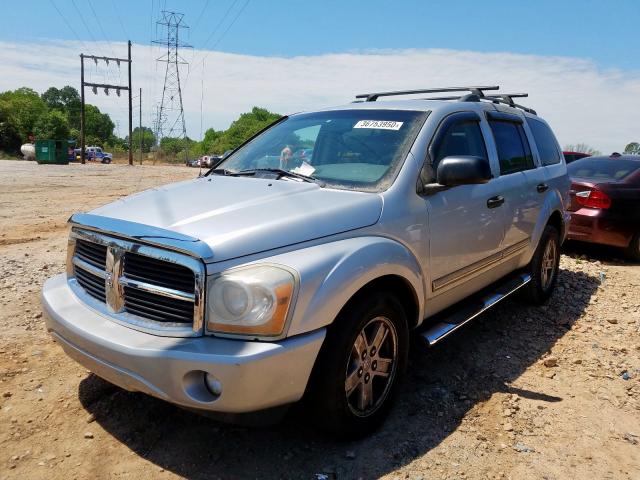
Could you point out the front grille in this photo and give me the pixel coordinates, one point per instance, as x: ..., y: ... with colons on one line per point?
x: 158, y: 272
x: 160, y: 286
x: 156, y: 307
x: 92, y: 253
x: 92, y: 284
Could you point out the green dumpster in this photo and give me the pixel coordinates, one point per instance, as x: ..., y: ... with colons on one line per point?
x: 52, y: 151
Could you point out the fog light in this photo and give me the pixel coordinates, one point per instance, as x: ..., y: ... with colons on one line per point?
x: 213, y: 384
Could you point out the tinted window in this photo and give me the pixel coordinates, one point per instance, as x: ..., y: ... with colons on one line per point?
x: 513, y: 149
x: 464, y: 138
x: 602, y: 169
x: 545, y: 141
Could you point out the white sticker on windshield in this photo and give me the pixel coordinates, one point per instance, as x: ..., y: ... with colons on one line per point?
x: 380, y: 124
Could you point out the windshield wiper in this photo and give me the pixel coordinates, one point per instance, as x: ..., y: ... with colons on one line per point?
x: 281, y: 172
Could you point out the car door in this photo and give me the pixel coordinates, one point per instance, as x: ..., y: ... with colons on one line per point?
x: 519, y: 178
x: 465, y: 226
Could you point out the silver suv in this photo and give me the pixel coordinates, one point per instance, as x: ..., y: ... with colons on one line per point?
x: 299, y: 266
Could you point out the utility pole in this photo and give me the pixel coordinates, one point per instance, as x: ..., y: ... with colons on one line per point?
x: 170, y: 120
x: 140, y: 125
x: 106, y: 87
x: 82, y: 109
x: 130, y: 109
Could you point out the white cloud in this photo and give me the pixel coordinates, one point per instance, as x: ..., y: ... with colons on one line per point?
x: 581, y: 101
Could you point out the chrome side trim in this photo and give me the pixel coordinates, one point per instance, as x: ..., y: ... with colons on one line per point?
x: 441, y: 329
x: 469, y: 270
x: 133, y: 231
x: 116, y: 280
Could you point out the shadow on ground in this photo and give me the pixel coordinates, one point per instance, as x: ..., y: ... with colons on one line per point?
x: 603, y: 253
x: 442, y: 385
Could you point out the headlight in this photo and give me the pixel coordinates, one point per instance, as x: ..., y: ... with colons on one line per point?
x: 250, y: 301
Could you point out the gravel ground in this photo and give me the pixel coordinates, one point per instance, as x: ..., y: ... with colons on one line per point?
x: 522, y: 393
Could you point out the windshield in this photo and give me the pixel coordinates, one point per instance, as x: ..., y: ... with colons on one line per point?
x: 602, y: 169
x: 349, y: 149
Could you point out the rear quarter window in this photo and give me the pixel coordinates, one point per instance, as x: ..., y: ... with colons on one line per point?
x: 545, y: 141
x: 513, y: 148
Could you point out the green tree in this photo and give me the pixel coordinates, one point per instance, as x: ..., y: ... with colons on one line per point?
x: 148, y: 139
x: 67, y: 100
x: 247, y: 125
x: 581, y: 147
x: 23, y: 108
x: 633, y: 148
x: 52, y: 125
x: 98, y: 126
x: 9, y: 137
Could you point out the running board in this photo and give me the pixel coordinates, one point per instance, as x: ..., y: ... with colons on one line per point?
x: 473, y: 307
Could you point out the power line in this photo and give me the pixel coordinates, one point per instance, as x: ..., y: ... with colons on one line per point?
x: 230, y: 25
x: 68, y: 24
x: 105, y: 37
x: 223, y: 33
x: 124, y: 30
x: 200, y: 16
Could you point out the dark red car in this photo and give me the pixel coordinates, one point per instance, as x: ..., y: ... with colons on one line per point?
x: 605, y: 201
x: 570, y: 157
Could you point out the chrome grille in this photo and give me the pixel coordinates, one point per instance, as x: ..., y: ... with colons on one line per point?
x: 158, y: 272
x: 93, y: 284
x: 92, y: 253
x: 146, y: 287
x: 157, y: 307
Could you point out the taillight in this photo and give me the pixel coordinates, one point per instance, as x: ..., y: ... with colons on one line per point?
x: 593, y: 199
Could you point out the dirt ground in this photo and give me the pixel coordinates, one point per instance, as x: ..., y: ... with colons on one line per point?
x: 522, y: 393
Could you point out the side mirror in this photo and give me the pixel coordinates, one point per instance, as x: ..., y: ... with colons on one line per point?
x: 463, y: 170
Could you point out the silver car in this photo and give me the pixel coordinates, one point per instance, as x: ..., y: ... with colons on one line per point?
x: 279, y: 276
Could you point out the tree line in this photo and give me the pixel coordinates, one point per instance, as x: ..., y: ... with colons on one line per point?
x: 55, y: 114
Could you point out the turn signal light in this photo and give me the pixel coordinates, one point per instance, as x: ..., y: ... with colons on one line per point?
x: 593, y: 199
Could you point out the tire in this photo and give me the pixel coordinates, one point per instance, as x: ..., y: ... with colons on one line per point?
x: 633, y: 250
x: 349, y: 354
x: 543, y: 268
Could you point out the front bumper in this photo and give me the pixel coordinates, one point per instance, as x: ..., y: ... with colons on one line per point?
x: 254, y: 376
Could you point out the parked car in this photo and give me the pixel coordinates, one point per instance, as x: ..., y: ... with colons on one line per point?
x: 193, y: 163
x: 605, y: 202
x: 94, y: 154
x: 573, y: 156
x: 261, y: 286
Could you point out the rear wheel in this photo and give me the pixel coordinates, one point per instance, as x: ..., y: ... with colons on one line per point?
x: 544, y: 267
x: 633, y: 250
x: 361, y: 361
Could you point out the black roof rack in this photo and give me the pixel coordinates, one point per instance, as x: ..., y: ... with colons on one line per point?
x: 475, y: 94
x: 372, y: 97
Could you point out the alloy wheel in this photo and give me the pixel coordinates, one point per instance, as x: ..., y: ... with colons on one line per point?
x: 549, y: 264
x: 371, y: 367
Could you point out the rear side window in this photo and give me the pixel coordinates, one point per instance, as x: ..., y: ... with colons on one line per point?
x: 513, y: 148
x: 463, y: 138
x: 545, y: 141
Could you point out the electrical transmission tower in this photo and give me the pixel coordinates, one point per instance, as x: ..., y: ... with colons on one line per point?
x: 170, y: 116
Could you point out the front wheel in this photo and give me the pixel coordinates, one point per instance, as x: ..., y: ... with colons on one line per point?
x: 361, y: 361
x: 544, y: 267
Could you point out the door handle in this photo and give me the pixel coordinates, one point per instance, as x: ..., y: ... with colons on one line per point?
x: 542, y: 187
x: 496, y: 201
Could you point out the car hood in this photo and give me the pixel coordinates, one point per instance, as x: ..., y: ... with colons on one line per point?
x: 237, y: 216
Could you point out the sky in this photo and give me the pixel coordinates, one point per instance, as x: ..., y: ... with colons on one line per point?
x: 578, y: 60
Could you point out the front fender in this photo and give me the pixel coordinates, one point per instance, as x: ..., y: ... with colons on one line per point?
x: 331, y: 273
